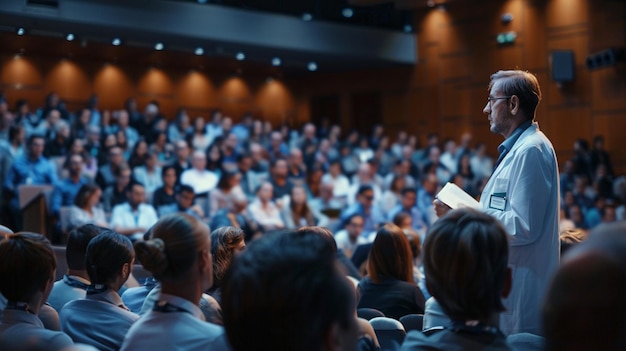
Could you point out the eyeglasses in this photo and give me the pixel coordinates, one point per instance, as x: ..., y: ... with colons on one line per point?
x: 491, y: 99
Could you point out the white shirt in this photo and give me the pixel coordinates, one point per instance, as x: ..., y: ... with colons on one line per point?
x: 343, y: 242
x: 123, y: 216
x: 341, y: 184
x: 270, y: 217
x: 201, y: 182
x: 99, y: 320
x: 528, y: 178
x: 182, y: 330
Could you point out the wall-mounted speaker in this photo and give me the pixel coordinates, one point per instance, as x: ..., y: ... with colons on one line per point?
x: 608, y: 57
x: 562, y: 65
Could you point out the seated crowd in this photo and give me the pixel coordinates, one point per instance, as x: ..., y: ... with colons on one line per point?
x: 213, y: 236
x: 124, y: 169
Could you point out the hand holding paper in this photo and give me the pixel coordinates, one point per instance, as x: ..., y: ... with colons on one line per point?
x: 456, y: 197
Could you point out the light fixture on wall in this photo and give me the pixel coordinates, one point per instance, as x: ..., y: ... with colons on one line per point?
x: 506, y: 38
x: 347, y: 12
x: 159, y: 46
x: 506, y: 18
x: 199, y: 51
x: 312, y: 66
x: 70, y: 37
x: 276, y: 61
x: 240, y: 56
x: 21, y: 31
x: 307, y: 17
x: 116, y: 42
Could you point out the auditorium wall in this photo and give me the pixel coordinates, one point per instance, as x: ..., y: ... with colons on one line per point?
x: 457, y: 49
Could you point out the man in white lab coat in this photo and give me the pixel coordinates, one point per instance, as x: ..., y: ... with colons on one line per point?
x: 523, y: 193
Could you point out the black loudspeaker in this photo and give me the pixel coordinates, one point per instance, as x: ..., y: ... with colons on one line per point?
x: 606, y: 58
x: 562, y: 66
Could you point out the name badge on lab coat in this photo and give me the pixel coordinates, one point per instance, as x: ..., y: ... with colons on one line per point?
x: 497, y: 201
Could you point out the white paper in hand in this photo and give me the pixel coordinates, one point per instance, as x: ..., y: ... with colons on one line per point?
x: 456, y: 197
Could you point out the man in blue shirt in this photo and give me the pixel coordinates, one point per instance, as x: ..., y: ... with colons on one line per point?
x: 66, y: 189
x: 364, y: 206
x: 30, y: 169
x: 409, y: 206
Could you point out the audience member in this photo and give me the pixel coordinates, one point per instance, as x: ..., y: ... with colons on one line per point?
x: 74, y: 284
x: 198, y: 177
x: 221, y: 196
x: 285, y: 293
x: 466, y: 266
x: 30, y: 169
x: 389, y: 286
x: 264, y: 211
x: 366, y: 207
x: 165, y: 195
x: 351, y: 236
x: 298, y: 213
x: 26, y: 279
x: 134, y: 217
x: 585, y: 307
x: 226, y: 243
x: 66, y: 189
x: 86, y: 208
x: 116, y: 194
x: 184, y: 203
x: 101, y: 319
x: 178, y: 254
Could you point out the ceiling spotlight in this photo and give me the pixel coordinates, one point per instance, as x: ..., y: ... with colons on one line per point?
x: 307, y: 17
x: 312, y: 66
x: 276, y: 61
x: 240, y: 56
x: 69, y: 37
x: 159, y: 46
x: 347, y: 12
x: 116, y: 42
x: 199, y: 51
x: 430, y: 3
x: 21, y: 31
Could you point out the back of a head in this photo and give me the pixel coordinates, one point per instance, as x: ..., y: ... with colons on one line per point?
x: 105, y: 256
x: 323, y: 232
x: 224, y: 242
x: 390, y: 256
x: 286, y: 291
x: 77, y: 242
x: 585, y: 308
x: 27, y: 264
x: 167, y: 254
x: 465, y: 262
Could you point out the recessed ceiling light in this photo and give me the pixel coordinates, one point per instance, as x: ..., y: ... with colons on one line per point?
x: 240, y: 56
x: 199, y: 51
x: 21, y: 31
x: 276, y: 61
x: 116, y: 42
x: 307, y: 16
x: 69, y: 37
x: 347, y: 12
x: 159, y: 46
x: 312, y: 66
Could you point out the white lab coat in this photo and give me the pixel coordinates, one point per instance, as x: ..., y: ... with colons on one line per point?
x: 528, y: 178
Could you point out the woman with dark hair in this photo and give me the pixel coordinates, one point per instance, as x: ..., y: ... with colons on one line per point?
x: 389, y: 286
x: 161, y: 147
x: 101, y: 319
x: 165, y: 195
x: 198, y: 138
x: 221, y: 196
x: 178, y: 254
x: 86, y: 208
x: 298, y: 213
x: 226, y: 242
x: 138, y: 155
x: 214, y: 158
x: 466, y: 258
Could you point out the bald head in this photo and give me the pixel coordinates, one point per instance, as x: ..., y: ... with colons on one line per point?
x: 586, y: 306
